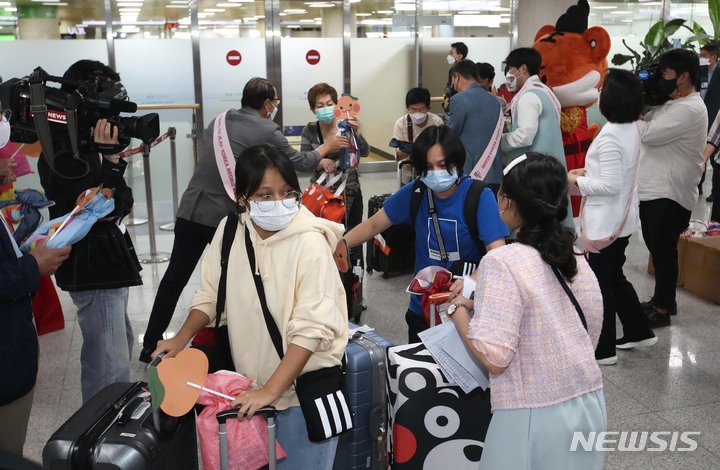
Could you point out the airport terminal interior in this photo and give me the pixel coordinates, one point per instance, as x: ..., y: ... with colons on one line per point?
x: 188, y: 61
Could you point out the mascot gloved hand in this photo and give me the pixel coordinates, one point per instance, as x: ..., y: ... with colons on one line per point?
x: 574, y: 60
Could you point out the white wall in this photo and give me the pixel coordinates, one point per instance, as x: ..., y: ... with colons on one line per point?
x: 382, y: 73
x: 435, y: 66
x: 298, y: 75
x: 223, y: 83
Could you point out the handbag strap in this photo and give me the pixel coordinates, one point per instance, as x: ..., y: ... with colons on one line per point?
x: 436, y: 223
x: 571, y: 295
x: 227, y: 241
x: 319, y: 132
x: 272, y: 327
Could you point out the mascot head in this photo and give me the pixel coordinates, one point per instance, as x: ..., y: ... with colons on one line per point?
x: 347, y: 106
x: 574, y: 57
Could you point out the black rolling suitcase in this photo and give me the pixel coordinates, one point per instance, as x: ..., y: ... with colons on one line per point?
x: 353, y: 283
x: 399, y: 238
x: 115, y: 430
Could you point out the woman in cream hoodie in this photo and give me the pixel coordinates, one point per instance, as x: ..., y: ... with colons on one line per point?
x: 304, y: 293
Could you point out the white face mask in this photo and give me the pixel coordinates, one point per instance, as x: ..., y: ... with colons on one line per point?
x: 273, y: 113
x: 274, y: 220
x: 511, y: 82
x: 4, y: 132
x: 450, y: 59
x: 418, y: 118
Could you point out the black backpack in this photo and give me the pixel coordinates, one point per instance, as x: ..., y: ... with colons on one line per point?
x: 470, y: 208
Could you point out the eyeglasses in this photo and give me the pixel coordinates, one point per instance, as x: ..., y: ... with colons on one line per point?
x: 274, y: 102
x: 267, y: 203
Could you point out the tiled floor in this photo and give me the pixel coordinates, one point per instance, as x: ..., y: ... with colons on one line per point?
x: 673, y: 386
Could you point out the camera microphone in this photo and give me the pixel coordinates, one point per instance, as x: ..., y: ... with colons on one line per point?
x: 119, y: 106
x: 114, y: 105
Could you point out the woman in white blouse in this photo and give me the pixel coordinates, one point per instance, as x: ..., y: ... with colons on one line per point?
x: 609, y: 214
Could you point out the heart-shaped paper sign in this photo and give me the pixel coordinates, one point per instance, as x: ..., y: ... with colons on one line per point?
x: 190, y: 365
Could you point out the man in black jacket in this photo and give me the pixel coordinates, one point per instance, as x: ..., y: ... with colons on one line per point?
x: 19, y: 279
x: 103, y: 264
x: 711, y: 96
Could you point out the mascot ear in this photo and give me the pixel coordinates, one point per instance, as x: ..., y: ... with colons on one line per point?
x: 547, y: 29
x: 599, y: 40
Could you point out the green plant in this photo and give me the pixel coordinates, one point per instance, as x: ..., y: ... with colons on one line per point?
x: 657, y: 39
x: 657, y: 42
x: 700, y: 35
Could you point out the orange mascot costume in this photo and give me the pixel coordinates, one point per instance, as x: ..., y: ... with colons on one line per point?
x: 574, y: 61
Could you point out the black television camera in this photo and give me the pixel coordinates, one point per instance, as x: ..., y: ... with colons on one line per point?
x: 43, y: 112
x: 650, y: 76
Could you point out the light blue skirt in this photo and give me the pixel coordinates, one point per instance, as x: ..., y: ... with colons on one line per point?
x: 540, y: 438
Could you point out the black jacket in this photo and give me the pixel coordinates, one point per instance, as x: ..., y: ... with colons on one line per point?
x: 712, y: 97
x: 19, y: 278
x: 105, y: 258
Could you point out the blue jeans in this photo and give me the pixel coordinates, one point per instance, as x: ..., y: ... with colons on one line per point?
x: 301, y: 453
x: 107, y: 338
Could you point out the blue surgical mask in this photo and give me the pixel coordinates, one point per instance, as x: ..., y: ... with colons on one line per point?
x: 325, y: 114
x: 439, y: 180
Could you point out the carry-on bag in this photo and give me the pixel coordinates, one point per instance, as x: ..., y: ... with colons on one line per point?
x: 406, y: 172
x: 115, y: 430
x: 395, y: 254
x: 365, y: 446
x: 434, y: 424
x: 222, y: 417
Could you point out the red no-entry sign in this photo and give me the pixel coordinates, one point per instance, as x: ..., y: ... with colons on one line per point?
x: 233, y: 58
x: 312, y: 57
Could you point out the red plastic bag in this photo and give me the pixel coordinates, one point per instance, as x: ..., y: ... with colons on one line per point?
x: 247, y: 440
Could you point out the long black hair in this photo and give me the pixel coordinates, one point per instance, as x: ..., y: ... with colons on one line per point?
x: 538, y: 188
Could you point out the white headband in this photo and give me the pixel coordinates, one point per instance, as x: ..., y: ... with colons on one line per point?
x: 514, y: 163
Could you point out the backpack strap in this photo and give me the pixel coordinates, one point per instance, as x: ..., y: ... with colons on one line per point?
x: 418, y: 191
x: 228, y: 237
x: 472, y: 202
x: 410, y: 129
x: 470, y: 208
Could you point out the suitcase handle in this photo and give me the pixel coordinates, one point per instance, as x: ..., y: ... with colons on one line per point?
x: 222, y: 417
x: 128, y: 410
x: 269, y: 412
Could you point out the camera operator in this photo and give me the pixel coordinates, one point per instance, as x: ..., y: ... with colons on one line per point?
x: 102, y: 265
x: 673, y: 139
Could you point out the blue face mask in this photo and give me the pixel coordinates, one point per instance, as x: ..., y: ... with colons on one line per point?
x: 439, y: 180
x: 325, y: 114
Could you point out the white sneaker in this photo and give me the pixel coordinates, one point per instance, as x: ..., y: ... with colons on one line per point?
x: 622, y: 343
x: 608, y: 361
